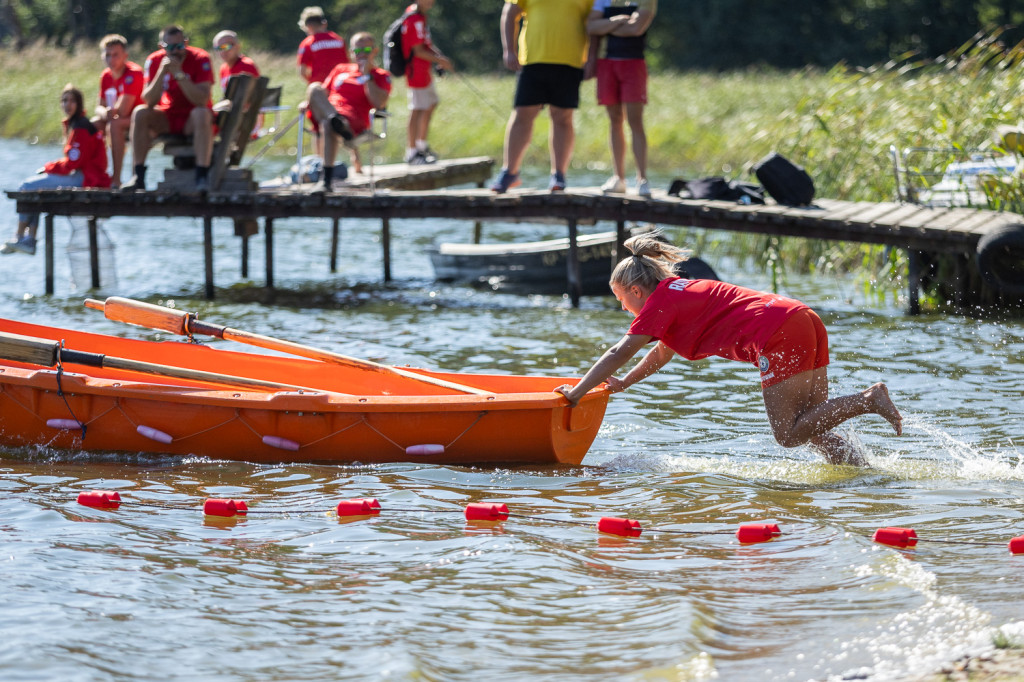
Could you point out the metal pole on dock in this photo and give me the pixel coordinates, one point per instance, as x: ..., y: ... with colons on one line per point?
x: 385, y: 238
x: 268, y: 232
x: 94, y: 253
x: 208, y: 255
x: 572, y: 265
x: 48, y: 230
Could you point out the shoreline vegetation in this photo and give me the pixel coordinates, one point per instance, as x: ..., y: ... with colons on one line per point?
x: 838, y: 123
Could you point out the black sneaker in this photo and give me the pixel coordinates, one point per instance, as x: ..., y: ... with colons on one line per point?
x: 202, y: 185
x: 341, y: 127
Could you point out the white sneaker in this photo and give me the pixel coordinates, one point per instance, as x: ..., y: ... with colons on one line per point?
x: 643, y: 188
x: 8, y: 247
x: 615, y: 185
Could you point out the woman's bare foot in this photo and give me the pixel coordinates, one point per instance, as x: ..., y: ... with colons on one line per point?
x: 881, y: 404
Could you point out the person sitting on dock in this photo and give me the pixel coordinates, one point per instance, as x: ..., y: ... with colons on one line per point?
x: 120, y: 92
x: 227, y: 46
x: 319, y: 52
x: 343, y: 102
x: 697, y: 318
x: 179, y: 80
x: 84, y: 164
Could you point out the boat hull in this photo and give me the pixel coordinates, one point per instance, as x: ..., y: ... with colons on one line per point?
x: 347, y: 415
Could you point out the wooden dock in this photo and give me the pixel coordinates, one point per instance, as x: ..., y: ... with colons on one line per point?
x: 921, y: 231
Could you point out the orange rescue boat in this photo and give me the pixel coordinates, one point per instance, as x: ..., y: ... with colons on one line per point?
x: 319, y: 412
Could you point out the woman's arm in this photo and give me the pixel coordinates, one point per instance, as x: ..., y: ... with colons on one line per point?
x: 655, y: 359
x: 613, y: 358
x: 638, y: 22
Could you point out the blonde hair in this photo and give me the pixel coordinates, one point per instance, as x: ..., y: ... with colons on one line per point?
x: 650, y: 263
x: 113, y: 39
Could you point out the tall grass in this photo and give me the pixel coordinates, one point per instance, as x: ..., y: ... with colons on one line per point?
x: 838, y: 123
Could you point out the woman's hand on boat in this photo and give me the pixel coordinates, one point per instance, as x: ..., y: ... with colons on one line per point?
x: 615, y: 384
x: 565, y: 389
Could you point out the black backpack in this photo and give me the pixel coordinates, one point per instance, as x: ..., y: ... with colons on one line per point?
x: 718, y: 188
x: 786, y: 182
x: 394, y: 57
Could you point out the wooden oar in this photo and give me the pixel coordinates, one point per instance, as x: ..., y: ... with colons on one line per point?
x: 35, y: 351
x: 184, y: 324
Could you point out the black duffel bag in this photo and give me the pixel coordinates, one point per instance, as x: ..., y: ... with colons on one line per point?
x: 785, y: 181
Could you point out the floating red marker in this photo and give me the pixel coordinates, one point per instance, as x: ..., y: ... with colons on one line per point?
x: 750, y: 533
x: 215, y: 507
x: 896, y: 537
x: 358, y: 507
x: 627, y: 528
x: 100, y: 499
x: 1017, y: 545
x: 483, y: 511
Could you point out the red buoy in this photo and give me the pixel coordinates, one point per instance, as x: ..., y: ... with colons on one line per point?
x: 357, y: 507
x: 483, y: 511
x: 1017, y: 545
x: 371, y: 502
x: 750, y: 533
x: 100, y: 499
x: 216, y: 507
x: 896, y: 537
x: 627, y: 528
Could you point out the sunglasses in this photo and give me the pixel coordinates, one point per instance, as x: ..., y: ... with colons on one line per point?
x: 171, y: 47
x: 225, y: 47
x: 362, y: 50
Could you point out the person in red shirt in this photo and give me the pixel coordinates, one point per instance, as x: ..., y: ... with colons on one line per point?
x: 176, y: 100
x: 421, y: 56
x: 227, y: 47
x: 120, y: 92
x: 321, y: 50
x: 696, y: 318
x: 342, y: 103
x: 84, y: 164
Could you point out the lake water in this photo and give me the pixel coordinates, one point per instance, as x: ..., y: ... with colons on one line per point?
x: 155, y: 591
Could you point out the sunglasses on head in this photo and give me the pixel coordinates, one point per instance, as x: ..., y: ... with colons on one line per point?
x: 362, y: 50
x: 171, y: 47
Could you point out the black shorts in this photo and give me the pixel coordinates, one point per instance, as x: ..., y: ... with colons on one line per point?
x: 554, y: 84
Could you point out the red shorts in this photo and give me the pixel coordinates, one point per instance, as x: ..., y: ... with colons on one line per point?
x: 176, y: 120
x: 799, y: 345
x: 621, y: 80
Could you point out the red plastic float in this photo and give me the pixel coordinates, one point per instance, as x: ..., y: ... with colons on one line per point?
x: 484, y: 511
x: 100, y: 499
x: 628, y: 528
x: 358, y: 507
x: 896, y: 537
x: 217, y: 507
x: 750, y: 533
x: 1017, y: 545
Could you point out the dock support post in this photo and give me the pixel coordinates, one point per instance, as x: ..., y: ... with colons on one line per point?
x: 620, y: 239
x: 208, y: 255
x: 572, y: 264
x: 478, y: 231
x: 268, y: 232
x: 94, y: 253
x: 385, y: 240
x: 245, y: 256
x: 48, y: 230
x: 335, y: 236
x: 913, y: 282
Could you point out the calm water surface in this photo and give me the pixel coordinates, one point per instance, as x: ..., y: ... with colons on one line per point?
x: 155, y: 591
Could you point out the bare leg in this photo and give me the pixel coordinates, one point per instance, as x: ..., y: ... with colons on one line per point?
x: 118, y: 132
x: 617, y: 138
x: 799, y: 411
x: 200, y: 127
x: 518, y: 134
x: 635, y: 116
x: 562, y: 138
x: 147, y: 123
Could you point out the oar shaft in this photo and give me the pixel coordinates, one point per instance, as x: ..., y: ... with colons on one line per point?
x: 44, y: 352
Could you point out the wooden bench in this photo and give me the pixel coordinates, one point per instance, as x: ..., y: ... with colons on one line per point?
x: 246, y: 94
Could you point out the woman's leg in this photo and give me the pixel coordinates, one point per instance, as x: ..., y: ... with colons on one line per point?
x: 799, y: 412
x: 29, y: 222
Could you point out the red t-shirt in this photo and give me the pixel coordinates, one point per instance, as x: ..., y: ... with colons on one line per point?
x: 130, y: 83
x: 415, y: 32
x: 84, y: 150
x: 349, y: 96
x: 196, y: 66
x: 242, y: 65
x: 698, y: 318
x: 321, y: 52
